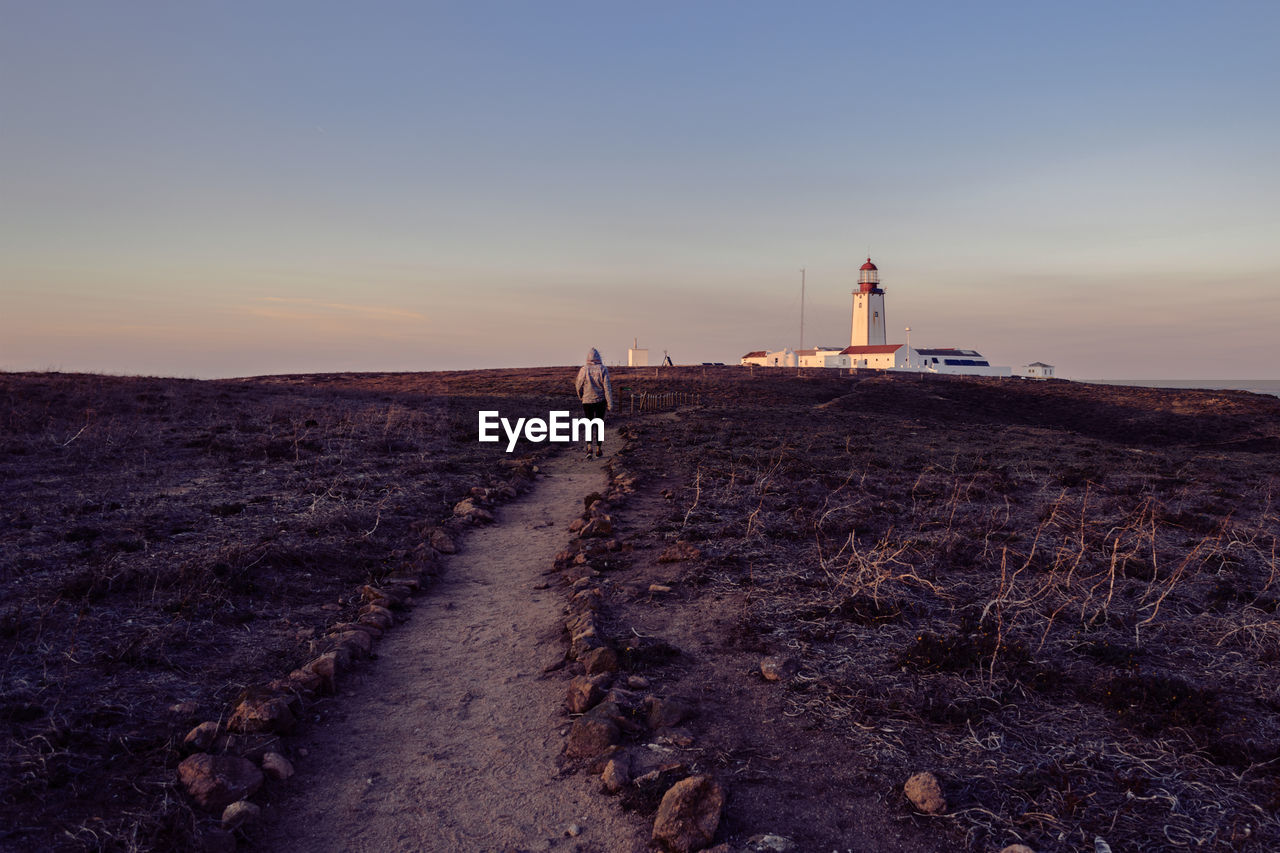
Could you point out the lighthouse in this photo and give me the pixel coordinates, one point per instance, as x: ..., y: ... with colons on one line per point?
x: 868, y: 309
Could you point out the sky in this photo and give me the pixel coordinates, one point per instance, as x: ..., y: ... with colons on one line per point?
x: 243, y: 188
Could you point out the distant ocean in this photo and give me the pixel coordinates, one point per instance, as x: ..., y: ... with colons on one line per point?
x: 1257, y: 386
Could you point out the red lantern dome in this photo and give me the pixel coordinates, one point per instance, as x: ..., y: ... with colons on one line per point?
x: 868, y: 278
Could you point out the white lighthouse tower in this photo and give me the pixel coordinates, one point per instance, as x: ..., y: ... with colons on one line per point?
x: 868, y: 309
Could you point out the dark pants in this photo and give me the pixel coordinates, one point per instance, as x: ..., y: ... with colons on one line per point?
x: 594, y: 410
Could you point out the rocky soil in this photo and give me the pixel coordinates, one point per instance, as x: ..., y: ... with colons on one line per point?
x: 809, y: 612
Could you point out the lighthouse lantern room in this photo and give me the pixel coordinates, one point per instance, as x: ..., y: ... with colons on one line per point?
x: 868, y: 309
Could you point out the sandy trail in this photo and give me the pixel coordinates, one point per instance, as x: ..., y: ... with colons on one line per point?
x: 449, y: 740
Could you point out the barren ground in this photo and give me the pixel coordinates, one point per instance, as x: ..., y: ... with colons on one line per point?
x: 1059, y: 598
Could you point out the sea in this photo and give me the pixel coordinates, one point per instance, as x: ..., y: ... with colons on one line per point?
x: 1257, y: 386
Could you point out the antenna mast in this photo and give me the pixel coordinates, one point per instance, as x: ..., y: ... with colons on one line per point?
x: 802, y: 308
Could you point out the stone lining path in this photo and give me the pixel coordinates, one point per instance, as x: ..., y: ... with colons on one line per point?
x: 448, y: 742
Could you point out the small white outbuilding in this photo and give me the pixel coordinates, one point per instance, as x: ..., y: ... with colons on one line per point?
x: 1036, y: 370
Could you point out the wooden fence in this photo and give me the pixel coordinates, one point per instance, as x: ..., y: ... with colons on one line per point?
x: 661, y: 401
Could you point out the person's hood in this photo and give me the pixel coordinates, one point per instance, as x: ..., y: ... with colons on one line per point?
x: 593, y: 356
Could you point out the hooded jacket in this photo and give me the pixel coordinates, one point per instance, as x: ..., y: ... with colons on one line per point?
x: 593, y: 381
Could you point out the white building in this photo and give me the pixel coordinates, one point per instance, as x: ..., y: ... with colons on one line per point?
x: 637, y: 356
x: 782, y: 358
x: 817, y: 357
x: 1036, y: 370
x: 876, y: 357
x: 956, y: 361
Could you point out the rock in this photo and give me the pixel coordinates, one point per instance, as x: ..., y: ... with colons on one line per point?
x: 637, y: 682
x: 583, y: 694
x: 601, y: 659
x: 217, y: 781
x: 276, y: 766
x: 305, y: 681
x: 616, y: 775
x: 358, y: 642
x: 380, y: 619
x: 689, y: 814
x: 342, y: 627
x: 779, y: 668
x: 184, y: 709
x: 583, y: 645
x: 621, y: 697
x: 326, y: 668
x: 443, y: 542
x: 590, y: 736
x: 386, y: 596
x: 378, y: 610
x: 262, y: 714
x: 597, y: 528
x: 925, y: 793
x: 576, y: 525
x: 679, y: 553
x: 590, y: 598
x: 201, y: 737
x: 470, y: 510
x: 664, y: 713
x: 769, y: 844
x: 238, y: 814
x: 596, y: 766
x: 573, y: 830
x: 342, y: 657
x: 1017, y: 848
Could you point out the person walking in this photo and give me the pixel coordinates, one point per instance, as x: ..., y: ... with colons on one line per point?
x: 596, y: 393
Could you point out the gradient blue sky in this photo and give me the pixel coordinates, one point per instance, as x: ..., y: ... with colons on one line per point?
x: 220, y: 189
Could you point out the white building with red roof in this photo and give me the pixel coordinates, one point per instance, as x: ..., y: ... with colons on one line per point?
x: 874, y: 356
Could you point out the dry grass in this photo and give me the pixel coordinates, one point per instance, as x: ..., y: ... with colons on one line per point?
x: 167, y: 541
x: 1072, y: 623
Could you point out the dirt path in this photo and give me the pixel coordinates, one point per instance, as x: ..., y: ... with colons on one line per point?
x: 449, y: 740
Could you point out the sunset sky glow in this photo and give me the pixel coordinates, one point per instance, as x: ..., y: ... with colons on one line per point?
x: 228, y: 189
